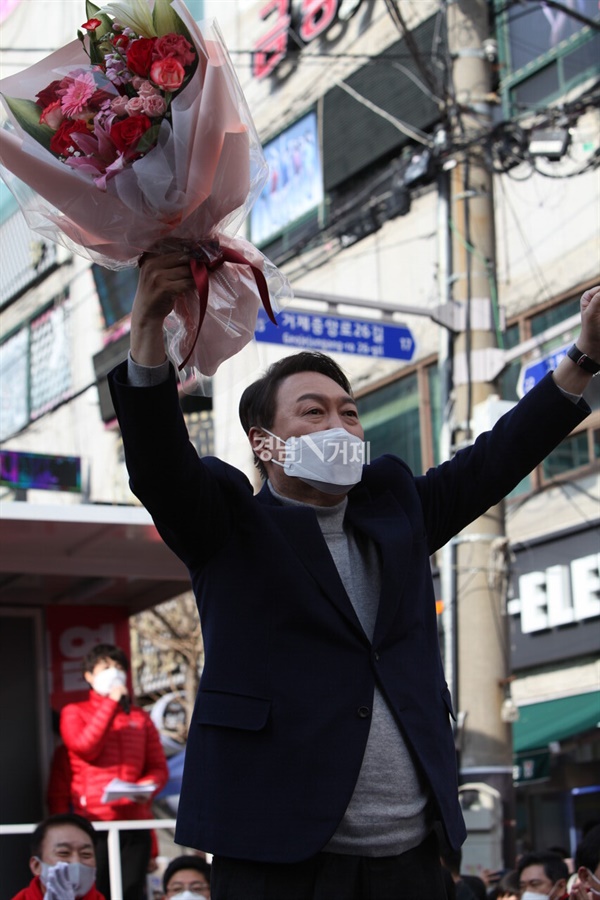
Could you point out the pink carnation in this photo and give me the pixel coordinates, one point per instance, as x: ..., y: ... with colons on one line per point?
x: 154, y: 105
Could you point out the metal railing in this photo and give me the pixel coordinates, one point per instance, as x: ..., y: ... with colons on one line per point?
x: 114, y: 849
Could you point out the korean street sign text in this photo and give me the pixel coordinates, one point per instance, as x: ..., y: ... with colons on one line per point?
x: 331, y: 334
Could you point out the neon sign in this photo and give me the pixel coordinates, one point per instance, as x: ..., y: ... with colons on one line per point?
x: 306, y: 18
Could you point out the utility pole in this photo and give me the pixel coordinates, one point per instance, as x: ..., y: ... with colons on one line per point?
x: 481, y: 628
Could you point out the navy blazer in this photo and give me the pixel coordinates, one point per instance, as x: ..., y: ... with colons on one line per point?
x: 282, y: 715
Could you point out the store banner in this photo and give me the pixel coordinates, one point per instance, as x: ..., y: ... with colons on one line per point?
x: 72, y: 631
x: 530, y: 767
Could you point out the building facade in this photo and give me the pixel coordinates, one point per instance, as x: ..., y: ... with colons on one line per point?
x: 362, y: 128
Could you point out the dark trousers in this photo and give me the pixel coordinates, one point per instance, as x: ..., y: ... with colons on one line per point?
x: 135, y: 857
x: 414, y: 875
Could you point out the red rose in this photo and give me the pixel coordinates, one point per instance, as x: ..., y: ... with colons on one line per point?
x: 174, y: 45
x: 48, y: 94
x: 126, y: 133
x: 62, y: 141
x: 168, y: 74
x: 91, y: 24
x: 139, y: 55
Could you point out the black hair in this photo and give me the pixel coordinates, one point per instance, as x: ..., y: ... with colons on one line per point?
x: 185, y: 862
x: 508, y: 884
x: 104, y: 651
x: 258, y: 402
x: 588, y: 850
x: 555, y: 867
x: 37, y: 838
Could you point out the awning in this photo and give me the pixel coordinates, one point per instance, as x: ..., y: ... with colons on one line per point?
x: 85, y: 554
x: 540, y: 724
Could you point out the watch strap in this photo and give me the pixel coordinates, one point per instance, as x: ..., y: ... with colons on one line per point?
x: 583, y: 360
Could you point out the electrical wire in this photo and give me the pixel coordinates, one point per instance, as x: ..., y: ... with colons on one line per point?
x: 407, y: 35
x: 410, y: 131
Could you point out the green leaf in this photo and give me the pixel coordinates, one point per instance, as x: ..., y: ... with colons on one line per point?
x: 96, y: 38
x: 167, y: 21
x: 148, y: 139
x: 27, y: 113
x: 91, y: 10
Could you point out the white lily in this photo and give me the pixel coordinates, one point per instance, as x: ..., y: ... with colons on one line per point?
x: 136, y: 14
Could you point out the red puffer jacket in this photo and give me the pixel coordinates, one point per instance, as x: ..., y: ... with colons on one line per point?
x: 33, y: 891
x: 104, y: 743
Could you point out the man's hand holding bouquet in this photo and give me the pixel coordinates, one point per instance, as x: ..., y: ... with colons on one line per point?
x: 136, y: 139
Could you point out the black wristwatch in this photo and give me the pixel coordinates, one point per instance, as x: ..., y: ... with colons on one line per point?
x: 583, y: 360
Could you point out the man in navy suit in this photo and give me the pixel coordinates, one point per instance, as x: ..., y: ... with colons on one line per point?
x: 320, y: 755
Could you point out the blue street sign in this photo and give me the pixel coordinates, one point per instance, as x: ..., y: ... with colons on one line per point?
x: 530, y: 375
x: 331, y: 334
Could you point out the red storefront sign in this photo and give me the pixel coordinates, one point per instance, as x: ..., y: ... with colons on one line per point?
x: 306, y: 18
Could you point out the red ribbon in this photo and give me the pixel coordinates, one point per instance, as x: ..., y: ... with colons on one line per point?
x: 201, y: 266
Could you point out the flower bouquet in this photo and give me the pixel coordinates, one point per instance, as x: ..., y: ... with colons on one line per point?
x: 136, y: 138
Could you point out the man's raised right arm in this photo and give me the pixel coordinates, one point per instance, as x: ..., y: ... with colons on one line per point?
x: 161, y: 279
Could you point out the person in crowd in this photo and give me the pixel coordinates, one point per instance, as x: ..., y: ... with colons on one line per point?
x: 468, y: 887
x: 507, y: 887
x: 187, y: 878
x: 63, y: 860
x: 320, y: 753
x: 542, y: 876
x: 564, y: 855
x: 586, y: 882
x: 107, y: 738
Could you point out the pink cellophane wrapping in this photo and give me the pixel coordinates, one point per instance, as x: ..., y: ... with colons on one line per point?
x: 198, y: 184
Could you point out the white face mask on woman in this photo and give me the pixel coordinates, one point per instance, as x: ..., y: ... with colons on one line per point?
x: 331, y: 460
x: 105, y: 680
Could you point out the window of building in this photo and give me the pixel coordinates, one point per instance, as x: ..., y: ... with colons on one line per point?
x: 35, y: 368
x: 572, y: 453
x: 544, y: 50
x: 391, y: 420
x: 116, y: 290
x: 436, y: 412
x: 509, y: 378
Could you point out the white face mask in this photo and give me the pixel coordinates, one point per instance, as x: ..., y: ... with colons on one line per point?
x: 62, y: 876
x: 531, y: 895
x: 107, y: 679
x: 188, y: 895
x: 331, y: 461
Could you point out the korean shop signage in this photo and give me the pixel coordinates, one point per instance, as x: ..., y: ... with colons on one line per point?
x: 306, y: 19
